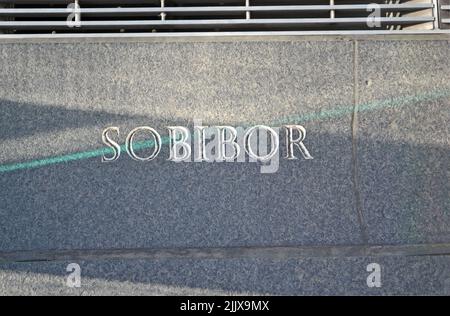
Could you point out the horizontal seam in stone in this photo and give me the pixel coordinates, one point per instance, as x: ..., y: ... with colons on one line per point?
x: 273, y: 253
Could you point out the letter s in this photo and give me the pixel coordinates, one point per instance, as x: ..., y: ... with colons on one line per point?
x: 111, y: 144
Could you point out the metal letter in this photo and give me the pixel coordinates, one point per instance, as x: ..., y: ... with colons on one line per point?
x: 157, y: 143
x: 290, y: 142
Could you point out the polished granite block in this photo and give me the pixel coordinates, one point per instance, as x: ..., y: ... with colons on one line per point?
x: 315, y: 276
x: 403, y: 140
x: 57, y: 99
x: 378, y: 177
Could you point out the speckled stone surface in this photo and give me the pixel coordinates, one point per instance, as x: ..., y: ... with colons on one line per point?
x: 57, y: 98
x: 404, y: 143
x: 399, y: 276
x: 388, y: 186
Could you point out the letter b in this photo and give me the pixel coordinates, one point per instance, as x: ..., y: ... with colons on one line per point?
x: 177, y: 144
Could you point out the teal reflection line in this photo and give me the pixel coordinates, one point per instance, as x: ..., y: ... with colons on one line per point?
x: 376, y: 105
x: 333, y: 113
x: 77, y: 156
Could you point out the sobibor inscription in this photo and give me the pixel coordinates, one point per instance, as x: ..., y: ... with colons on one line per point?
x: 259, y: 143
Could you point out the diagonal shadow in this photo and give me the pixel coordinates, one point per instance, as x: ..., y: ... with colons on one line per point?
x: 151, y: 205
x: 19, y: 119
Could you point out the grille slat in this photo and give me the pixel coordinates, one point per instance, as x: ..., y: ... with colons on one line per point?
x: 214, y: 23
x: 445, y: 14
x: 211, y: 9
x: 41, y: 16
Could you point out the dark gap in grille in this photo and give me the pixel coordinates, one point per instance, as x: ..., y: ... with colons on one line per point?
x: 39, y: 16
x: 445, y: 14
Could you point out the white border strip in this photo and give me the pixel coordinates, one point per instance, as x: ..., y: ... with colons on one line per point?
x: 220, y: 34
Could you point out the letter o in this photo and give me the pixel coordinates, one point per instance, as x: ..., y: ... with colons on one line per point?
x: 275, y: 141
x: 129, y: 143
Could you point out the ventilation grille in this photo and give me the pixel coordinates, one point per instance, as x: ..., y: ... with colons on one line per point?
x: 64, y: 16
x: 445, y: 14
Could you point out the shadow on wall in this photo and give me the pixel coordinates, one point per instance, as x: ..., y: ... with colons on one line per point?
x: 316, y: 276
x: 19, y: 119
x: 90, y: 205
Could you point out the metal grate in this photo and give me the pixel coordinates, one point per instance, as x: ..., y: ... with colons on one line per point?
x: 445, y: 14
x: 75, y: 16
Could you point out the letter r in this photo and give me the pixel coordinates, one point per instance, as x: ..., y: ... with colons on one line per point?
x: 290, y: 141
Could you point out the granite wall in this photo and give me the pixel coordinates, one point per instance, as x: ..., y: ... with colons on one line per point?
x: 377, y: 116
